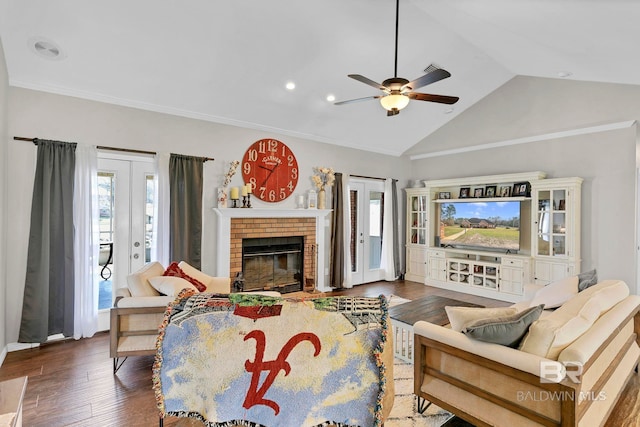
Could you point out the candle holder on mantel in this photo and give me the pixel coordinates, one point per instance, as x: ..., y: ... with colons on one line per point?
x: 246, y: 201
x: 235, y: 196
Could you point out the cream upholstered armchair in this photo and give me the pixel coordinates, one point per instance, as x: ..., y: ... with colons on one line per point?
x: 139, y: 308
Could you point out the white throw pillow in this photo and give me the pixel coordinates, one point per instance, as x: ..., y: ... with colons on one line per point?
x: 170, y: 285
x: 549, y: 336
x: 138, y: 282
x: 459, y: 317
x: 557, y: 293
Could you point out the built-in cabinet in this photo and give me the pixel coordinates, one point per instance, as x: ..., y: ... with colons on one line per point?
x: 556, y: 228
x: 418, y: 207
x: 549, y: 235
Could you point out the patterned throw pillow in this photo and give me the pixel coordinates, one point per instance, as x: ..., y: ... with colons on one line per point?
x: 175, y: 271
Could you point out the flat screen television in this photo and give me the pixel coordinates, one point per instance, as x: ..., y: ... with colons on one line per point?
x: 491, y: 226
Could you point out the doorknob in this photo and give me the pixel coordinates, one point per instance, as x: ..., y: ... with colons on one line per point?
x: 136, y: 244
x: 136, y: 256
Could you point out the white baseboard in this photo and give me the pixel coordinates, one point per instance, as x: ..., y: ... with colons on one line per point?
x: 3, y: 355
x: 17, y: 346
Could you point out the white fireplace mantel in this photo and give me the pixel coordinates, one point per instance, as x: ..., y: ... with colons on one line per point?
x: 270, y: 213
x: 224, y: 234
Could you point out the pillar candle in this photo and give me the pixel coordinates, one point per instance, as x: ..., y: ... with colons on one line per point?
x: 244, y: 191
x: 234, y: 193
x: 249, y: 188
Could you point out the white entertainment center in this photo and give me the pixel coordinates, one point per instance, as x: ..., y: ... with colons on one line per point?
x: 547, y: 246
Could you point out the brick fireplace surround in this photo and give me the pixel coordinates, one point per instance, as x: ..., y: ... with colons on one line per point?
x: 248, y: 228
x: 235, y: 224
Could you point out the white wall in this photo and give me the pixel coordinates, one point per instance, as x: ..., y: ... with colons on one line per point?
x: 525, y: 107
x: 4, y: 138
x: 43, y: 115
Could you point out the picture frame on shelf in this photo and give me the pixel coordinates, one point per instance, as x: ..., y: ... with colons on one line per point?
x: 505, y: 191
x: 464, y: 192
x: 444, y: 195
x: 478, y: 192
x: 490, y: 191
x: 561, y: 205
x: 522, y: 189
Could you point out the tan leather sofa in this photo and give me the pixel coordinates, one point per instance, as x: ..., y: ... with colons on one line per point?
x: 492, y: 385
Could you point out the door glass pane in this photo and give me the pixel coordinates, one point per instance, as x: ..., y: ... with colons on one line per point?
x: 376, y: 208
x: 558, y: 245
x: 353, y: 199
x: 106, y: 187
x: 148, y: 218
x: 559, y: 199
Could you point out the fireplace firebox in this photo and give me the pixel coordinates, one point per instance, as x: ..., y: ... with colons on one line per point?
x: 273, y: 263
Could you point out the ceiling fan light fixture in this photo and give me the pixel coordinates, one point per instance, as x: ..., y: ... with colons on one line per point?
x: 394, y: 101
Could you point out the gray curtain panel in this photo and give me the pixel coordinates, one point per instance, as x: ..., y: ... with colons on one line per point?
x: 337, y: 236
x: 185, y: 211
x: 49, y: 285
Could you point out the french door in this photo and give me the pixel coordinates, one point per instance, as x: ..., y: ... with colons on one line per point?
x: 126, y: 189
x: 366, y: 207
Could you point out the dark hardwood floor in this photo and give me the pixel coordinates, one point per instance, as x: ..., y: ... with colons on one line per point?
x: 71, y: 383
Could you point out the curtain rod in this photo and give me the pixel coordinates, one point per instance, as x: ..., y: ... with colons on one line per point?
x: 103, y: 147
x: 367, y: 177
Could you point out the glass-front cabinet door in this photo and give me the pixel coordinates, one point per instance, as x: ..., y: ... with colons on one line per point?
x: 555, y: 228
x: 418, y: 205
x: 417, y: 237
x: 552, y: 222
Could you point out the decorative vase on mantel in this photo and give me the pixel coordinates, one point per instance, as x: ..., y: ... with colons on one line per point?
x: 222, y: 197
x: 322, y: 199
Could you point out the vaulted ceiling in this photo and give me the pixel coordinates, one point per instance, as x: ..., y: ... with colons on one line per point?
x: 228, y: 62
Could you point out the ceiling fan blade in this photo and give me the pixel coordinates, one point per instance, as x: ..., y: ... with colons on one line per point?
x: 393, y: 112
x: 442, y: 99
x: 367, y: 81
x: 366, y: 98
x: 427, y: 79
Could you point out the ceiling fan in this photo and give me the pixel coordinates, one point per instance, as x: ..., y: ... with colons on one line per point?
x: 398, y: 91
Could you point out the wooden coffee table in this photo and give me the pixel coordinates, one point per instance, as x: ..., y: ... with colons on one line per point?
x: 403, y: 316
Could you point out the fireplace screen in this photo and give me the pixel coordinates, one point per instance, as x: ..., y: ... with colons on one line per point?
x: 273, y: 263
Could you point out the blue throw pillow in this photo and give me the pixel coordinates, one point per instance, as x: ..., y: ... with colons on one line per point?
x: 586, y: 279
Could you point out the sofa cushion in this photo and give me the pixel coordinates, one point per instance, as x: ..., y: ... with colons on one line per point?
x: 587, y: 279
x: 549, y: 336
x: 507, y: 330
x: 175, y: 271
x: 138, y: 282
x: 557, y: 293
x: 216, y: 285
x: 461, y: 316
x: 170, y: 285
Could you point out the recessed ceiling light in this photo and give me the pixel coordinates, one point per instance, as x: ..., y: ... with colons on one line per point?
x: 46, y: 48
x: 564, y: 74
x: 290, y: 86
x: 331, y: 97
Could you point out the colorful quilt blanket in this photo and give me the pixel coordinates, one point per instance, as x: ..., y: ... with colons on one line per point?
x: 261, y: 361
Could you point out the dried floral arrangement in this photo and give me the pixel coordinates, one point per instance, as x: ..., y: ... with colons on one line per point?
x: 232, y: 171
x: 323, y: 177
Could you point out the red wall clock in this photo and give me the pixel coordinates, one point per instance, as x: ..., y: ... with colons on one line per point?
x: 272, y: 170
